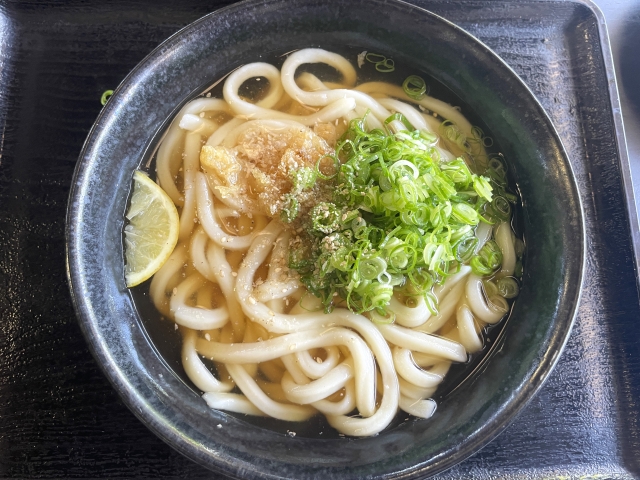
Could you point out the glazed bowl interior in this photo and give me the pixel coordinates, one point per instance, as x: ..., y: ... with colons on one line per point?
x: 126, y: 133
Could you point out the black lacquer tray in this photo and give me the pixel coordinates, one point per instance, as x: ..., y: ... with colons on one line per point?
x: 59, y: 416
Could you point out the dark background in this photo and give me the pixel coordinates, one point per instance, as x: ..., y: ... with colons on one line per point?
x: 60, y: 418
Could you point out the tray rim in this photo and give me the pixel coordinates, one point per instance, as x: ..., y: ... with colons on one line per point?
x: 618, y: 122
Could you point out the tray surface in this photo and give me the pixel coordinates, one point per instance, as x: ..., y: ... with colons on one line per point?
x: 59, y: 416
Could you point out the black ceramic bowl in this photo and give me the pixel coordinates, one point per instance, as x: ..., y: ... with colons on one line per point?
x: 551, y: 218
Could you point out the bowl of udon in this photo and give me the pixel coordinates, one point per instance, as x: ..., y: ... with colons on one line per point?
x: 369, y: 241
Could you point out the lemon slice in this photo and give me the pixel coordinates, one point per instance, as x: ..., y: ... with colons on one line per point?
x: 152, y: 232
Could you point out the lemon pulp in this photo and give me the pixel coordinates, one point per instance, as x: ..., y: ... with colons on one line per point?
x: 152, y: 231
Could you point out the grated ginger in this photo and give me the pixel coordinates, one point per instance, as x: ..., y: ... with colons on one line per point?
x: 256, y: 174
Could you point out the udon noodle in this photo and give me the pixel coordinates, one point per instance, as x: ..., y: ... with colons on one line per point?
x: 253, y: 339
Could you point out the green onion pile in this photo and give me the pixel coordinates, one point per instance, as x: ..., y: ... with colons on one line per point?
x: 400, y: 219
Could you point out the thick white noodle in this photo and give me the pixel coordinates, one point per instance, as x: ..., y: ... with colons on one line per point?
x: 293, y: 368
x: 445, y: 309
x: 441, y: 291
x: 196, y: 123
x: 483, y: 233
x: 440, y: 368
x: 250, y: 336
x: 207, y: 218
x: 411, y: 390
x: 198, y: 254
x: 343, y: 406
x: 467, y: 330
x: 332, y: 111
x: 410, y: 113
x: 408, y: 370
x: 191, y: 164
x: 224, y: 212
x: 252, y: 70
x: 310, y: 82
x: 423, y: 342
x: 166, y: 153
x: 282, y: 411
x: 204, y: 104
x: 326, y: 97
x: 424, y: 360
x: 273, y: 288
x: 197, y: 318
x: 278, y: 347
x: 410, y: 316
x: 232, y: 402
x: 199, y: 374
x: 279, y: 323
x: 320, y: 388
x: 221, y: 270
x: 478, y: 304
x: 418, y: 408
x: 504, y: 239
x: 167, y: 278
x: 221, y: 133
x: 166, y: 167
x: 316, y: 369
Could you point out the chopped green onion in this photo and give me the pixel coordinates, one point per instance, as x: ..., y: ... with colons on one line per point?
x: 375, y: 58
x: 382, y: 63
x: 290, y: 210
x: 519, y: 247
x: 372, y: 268
x: 105, y: 96
x: 414, y: 86
x: 508, y: 287
x: 325, y: 218
x: 451, y: 132
x: 498, y: 165
x: 458, y: 172
x: 400, y: 217
x: 464, y: 248
x: 482, y: 187
x: 510, y: 196
x: 465, y: 213
x: 432, y: 303
x: 308, y: 303
x: 488, y: 259
x: 477, y: 133
x: 387, y: 66
x: 336, y: 167
x: 490, y: 288
x: 500, y: 208
x: 383, y: 319
x: 303, y: 178
x: 399, y: 117
x: 518, y: 270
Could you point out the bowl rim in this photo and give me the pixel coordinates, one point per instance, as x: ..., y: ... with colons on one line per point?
x: 132, y: 398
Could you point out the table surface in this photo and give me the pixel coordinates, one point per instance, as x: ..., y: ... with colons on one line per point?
x: 48, y: 425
